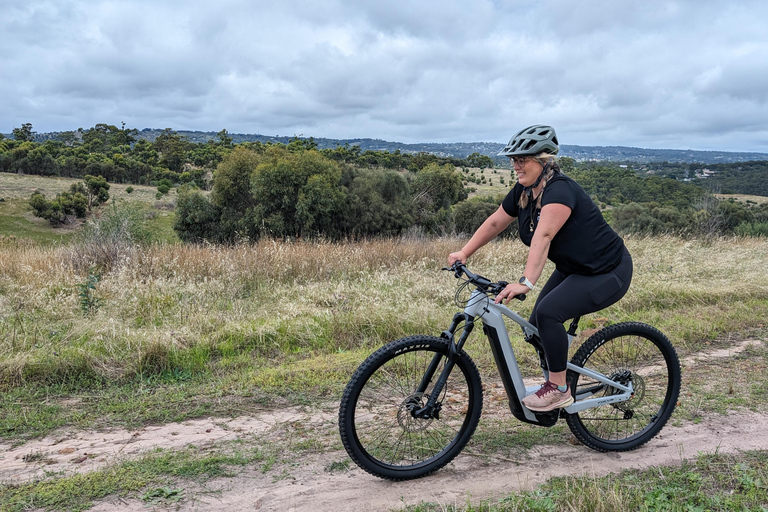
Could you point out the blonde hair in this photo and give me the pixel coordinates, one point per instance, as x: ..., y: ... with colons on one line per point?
x: 549, y: 162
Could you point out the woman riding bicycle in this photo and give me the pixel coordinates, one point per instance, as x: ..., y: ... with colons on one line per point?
x: 558, y: 221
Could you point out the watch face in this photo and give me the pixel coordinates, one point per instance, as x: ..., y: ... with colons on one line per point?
x: 521, y: 280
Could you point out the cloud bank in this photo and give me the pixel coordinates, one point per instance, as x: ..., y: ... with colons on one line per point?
x: 656, y: 74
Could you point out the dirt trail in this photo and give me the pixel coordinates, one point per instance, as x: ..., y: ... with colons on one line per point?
x: 309, y: 486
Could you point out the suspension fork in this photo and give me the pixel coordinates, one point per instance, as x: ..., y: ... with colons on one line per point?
x: 432, y: 409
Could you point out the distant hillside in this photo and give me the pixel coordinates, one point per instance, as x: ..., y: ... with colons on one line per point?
x: 464, y: 149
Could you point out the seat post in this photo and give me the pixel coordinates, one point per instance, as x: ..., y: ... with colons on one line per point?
x: 574, y: 325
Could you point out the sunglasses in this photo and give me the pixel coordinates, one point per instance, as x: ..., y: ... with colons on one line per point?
x: 520, y: 160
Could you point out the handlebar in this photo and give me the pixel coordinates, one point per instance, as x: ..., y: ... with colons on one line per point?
x: 482, y: 283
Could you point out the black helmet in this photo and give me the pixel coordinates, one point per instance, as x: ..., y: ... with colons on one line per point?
x: 533, y: 140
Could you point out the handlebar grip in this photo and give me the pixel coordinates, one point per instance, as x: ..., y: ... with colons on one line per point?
x: 520, y: 297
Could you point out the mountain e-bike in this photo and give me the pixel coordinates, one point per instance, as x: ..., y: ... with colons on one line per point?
x: 413, y: 405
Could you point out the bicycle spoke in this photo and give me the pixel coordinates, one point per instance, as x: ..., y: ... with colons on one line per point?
x: 387, y: 435
x: 637, y: 358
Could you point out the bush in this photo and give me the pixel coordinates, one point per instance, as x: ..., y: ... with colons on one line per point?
x: 197, y: 219
x: 379, y: 204
x: 435, y: 189
x: 469, y: 215
x: 164, y: 186
x: 297, y: 195
x: 66, y: 207
x: 752, y: 229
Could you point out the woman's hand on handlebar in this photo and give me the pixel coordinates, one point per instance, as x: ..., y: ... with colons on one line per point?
x: 511, y: 291
x: 457, y: 256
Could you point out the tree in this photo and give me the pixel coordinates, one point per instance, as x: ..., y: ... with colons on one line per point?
x: 68, y: 138
x: 224, y: 138
x: 319, y: 205
x: 299, y: 144
x: 232, y: 193
x: 124, y: 137
x: 379, y: 204
x: 197, y: 219
x: 172, y: 149
x: 435, y: 189
x: 297, y: 194
x: 478, y: 160
x: 39, y: 162
x: 25, y: 133
x: 97, y: 189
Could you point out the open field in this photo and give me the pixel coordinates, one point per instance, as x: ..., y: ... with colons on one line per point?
x: 498, y: 181
x: 18, y: 222
x: 743, y: 198
x: 261, y: 339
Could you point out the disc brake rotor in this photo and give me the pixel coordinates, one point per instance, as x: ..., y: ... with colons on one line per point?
x: 638, y: 389
x: 404, y: 413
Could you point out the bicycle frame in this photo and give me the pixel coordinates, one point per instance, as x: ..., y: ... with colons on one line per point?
x: 492, y: 316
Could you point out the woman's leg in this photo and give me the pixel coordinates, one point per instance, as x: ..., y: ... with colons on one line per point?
x: 564, y: 298
x: 561, y: 299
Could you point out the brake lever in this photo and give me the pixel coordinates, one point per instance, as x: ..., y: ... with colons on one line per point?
x: 503, y: 284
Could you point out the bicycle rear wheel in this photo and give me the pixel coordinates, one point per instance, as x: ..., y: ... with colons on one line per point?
x: 376, y: 421
x: 633, y: 353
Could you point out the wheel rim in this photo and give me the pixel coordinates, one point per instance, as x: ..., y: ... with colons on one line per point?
x: 639, y: 361
x: 384, y: 426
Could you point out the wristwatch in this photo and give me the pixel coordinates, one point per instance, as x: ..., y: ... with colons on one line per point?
x: 524, y: 280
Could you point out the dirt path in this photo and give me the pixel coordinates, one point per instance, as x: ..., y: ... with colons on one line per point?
x: 309, y: 486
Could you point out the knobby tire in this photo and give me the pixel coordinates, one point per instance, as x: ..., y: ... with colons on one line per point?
x: 627, y: 352
x: 375, y: 422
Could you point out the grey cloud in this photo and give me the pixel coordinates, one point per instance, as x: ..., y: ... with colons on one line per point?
x: 664, y: 74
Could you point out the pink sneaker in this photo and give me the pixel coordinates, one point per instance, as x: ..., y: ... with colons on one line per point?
x: 548, y: 397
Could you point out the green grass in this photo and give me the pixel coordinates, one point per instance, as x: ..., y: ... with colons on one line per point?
x: 153, y: 476
x: 712, y: 482
x: 18, y: 224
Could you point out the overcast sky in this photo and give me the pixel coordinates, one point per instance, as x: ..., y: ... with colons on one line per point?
x: 653, y: 74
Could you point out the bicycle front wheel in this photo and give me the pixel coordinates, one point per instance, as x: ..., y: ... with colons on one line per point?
x: 377, y: 423
x: 629, y: 353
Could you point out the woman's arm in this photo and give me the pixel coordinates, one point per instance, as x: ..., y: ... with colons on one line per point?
x: 488, y: 230
x: 552, y: 218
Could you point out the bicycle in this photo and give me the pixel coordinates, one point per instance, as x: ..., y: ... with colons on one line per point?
x: 413, y: 405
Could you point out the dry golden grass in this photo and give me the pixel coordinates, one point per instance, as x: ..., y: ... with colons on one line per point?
x: 21, y: 186
x: 744, y: 198
x: 189, y: 307
x: 493, y: 185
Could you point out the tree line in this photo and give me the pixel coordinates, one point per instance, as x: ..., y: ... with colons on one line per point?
x: 230, y: 192
x: 653, y: 204
x: 118, y: 155
x: 282, y: 192
x: 277, y: 192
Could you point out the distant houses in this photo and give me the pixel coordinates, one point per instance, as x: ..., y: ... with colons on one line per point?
x: 703, y: 173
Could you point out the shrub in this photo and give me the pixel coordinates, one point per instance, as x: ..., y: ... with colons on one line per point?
x: 197, y: 219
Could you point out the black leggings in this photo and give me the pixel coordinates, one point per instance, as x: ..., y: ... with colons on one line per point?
x: 568, y: 296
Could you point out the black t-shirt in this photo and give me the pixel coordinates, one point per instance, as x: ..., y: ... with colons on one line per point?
x: 585, y: 244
